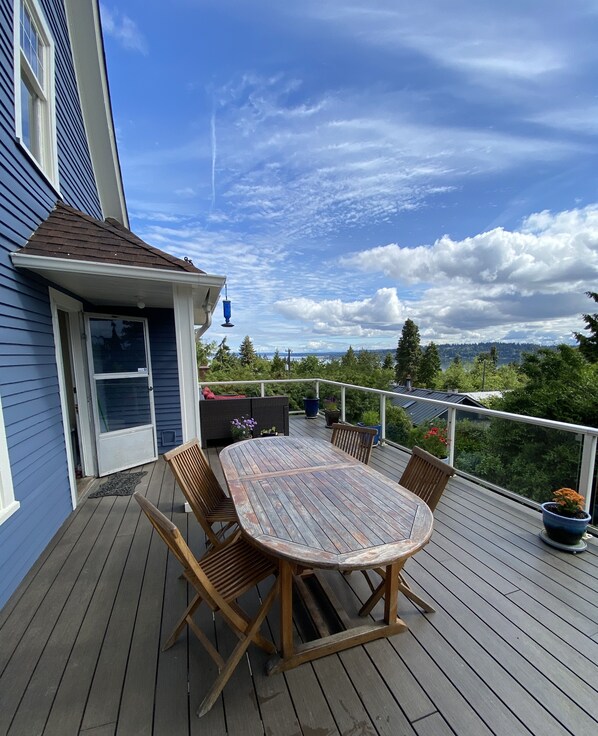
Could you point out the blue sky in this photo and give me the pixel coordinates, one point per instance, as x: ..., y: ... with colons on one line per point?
x: 348, y: 164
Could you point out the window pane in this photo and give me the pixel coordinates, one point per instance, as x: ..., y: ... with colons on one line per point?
x: 123, y: 403
x: 32, y: 45
x: 118, y: 346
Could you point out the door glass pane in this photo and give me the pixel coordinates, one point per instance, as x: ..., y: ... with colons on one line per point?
x: 118, y: 346
x: 123, y: 403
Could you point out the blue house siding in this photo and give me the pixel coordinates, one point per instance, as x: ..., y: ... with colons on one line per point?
x: 28, y: 371
x: 165, y: 374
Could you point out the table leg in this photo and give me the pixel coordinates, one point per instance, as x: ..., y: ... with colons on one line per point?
x: 391, y: 590
x: 286, y: 609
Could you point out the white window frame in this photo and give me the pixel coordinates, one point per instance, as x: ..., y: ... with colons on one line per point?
x: 8, y: 505
x: 44, y: 92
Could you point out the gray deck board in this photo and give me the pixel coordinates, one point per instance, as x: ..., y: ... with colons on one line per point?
x: 512, y: 647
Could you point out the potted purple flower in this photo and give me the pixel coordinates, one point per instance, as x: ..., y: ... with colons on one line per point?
x: 242, y: 428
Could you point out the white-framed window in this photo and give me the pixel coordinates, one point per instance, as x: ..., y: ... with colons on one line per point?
x: 8, y: 505
x: 34, y: 87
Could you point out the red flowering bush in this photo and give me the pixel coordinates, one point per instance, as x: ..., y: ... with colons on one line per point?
x: 432, y: 437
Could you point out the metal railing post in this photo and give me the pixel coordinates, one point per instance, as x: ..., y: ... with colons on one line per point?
x: 451, y: 425
x: 343, y: 404
x: 382, y: 419
x: 262, y: 389
x: 586, y: 471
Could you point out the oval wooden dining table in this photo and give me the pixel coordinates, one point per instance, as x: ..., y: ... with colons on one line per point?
x: 311, y: 505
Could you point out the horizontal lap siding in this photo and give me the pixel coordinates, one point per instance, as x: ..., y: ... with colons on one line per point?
x: 165, y: 375
x: 28, y: 372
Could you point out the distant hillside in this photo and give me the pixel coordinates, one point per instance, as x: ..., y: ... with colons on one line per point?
x: 508, y: 352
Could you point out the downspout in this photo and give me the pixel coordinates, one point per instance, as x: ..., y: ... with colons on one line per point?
x: 209, y: 314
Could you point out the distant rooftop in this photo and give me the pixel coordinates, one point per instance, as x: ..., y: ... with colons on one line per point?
x: 419, y: 411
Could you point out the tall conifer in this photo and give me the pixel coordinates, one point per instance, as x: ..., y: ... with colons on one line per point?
x: 408, y: 353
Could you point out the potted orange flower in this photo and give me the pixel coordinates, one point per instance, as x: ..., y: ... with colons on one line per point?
x: 565, y: 519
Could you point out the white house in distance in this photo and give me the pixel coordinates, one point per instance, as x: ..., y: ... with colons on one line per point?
x: 97, y: 347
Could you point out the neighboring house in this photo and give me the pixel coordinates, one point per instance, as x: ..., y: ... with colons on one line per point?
x: 97, y: 348
x: 421, y: 411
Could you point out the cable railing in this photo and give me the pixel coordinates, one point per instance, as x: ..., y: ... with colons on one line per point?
x: 578, y: 439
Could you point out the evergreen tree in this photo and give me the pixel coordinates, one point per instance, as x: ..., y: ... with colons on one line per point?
x: 494, y: 355
x: 247, y: 352
x: 429, y: 367
x: 349, y: 360
x: 408, y: 353
x: 388, y: 363
x: 278, y: 365
x: 223, y: 356
x: 204, y: 351
x: 588, y: 344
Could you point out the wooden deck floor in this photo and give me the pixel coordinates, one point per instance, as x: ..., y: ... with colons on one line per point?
x: 511, y: 649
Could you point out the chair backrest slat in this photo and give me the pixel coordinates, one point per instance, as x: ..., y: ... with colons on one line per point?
x: 177, y: 545
x: 195, y: 477
x: 426, y: 476
x: 356, y: 441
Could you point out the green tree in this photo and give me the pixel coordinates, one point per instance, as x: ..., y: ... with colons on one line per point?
x: 278, y: 365
x: 455, y: 377
x: 204, y: 351
x: 408, y: 353
x: 349, y: 359
x: 535, y: 461
x: 388, y: 363
x: 429, y: 367
x: 247, y: 354
x: 398, y: 423
x: 223, y: 358
x: 588, y: 344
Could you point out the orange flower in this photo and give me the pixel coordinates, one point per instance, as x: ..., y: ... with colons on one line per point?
x: 570, y: 501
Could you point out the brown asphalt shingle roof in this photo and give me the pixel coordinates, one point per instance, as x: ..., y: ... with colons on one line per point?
x: 73, y: 235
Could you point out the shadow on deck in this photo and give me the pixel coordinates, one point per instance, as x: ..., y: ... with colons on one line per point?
x: 511, y: 649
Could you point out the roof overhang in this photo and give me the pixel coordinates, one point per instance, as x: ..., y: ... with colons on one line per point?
x: 104, y: 284
x: 85, y: 31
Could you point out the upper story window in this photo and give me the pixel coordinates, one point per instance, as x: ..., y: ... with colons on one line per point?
x: 34, y: 88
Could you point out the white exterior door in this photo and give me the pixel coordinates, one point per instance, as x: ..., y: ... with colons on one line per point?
x: 122, y: 391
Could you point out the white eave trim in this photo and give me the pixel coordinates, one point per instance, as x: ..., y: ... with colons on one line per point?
x: 83, y: 18
x: 94, y: 268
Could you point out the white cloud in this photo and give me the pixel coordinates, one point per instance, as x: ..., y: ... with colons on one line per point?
x: 124, y: 30
x: 549, y: 251
x: 366, y: 317
x: 494, y: 285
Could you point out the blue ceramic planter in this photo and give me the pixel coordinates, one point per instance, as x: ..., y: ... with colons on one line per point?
x: 311, y: 406
x: 563, y: 529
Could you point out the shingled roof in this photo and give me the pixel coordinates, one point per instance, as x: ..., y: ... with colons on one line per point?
x: 73, y: 235
x: 420, y: 411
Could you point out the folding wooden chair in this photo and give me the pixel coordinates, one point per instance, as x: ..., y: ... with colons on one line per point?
x: 357, y: 441
x: 200, y: 487
x: 219, y: 578
x: 426, y: 476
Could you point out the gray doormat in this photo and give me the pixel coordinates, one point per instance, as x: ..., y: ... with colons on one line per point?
x: 120, y: 484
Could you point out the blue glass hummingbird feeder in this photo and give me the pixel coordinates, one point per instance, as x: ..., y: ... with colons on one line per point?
x: 226, y: 309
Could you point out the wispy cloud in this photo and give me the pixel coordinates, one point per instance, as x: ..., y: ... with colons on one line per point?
x: 124, y: 30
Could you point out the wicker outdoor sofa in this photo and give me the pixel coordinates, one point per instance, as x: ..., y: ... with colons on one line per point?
x: 216, y: 415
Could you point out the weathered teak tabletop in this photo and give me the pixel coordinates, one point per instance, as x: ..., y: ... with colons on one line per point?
x: 310, y: 504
